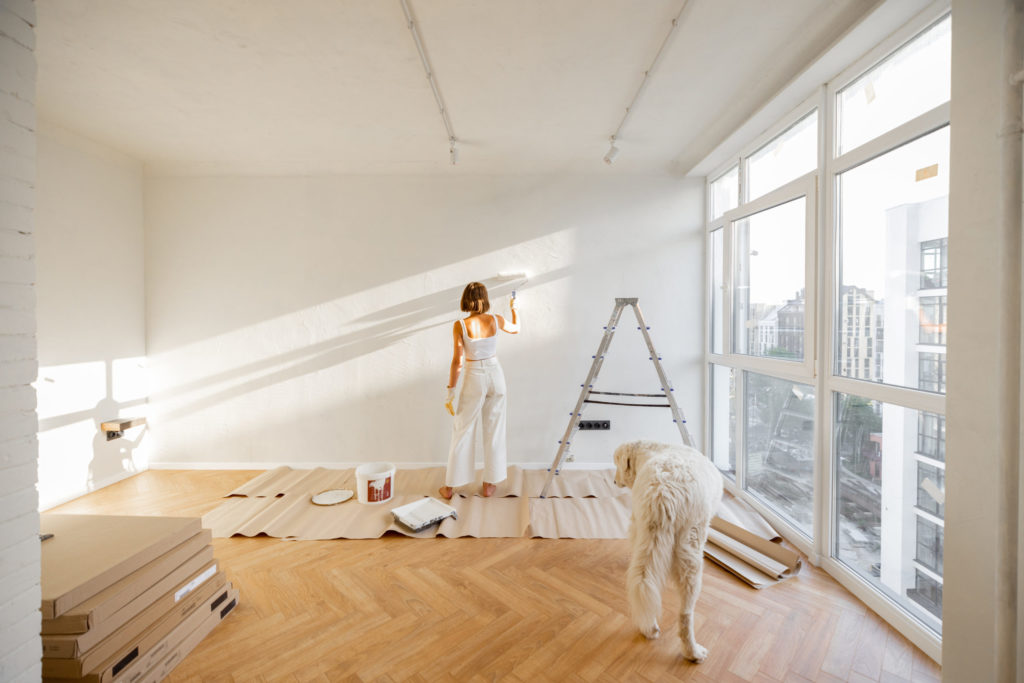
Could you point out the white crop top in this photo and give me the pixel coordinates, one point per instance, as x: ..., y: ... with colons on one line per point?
x: 482, y: 347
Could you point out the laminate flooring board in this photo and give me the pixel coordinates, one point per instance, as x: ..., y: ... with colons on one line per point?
x: 509, y: 609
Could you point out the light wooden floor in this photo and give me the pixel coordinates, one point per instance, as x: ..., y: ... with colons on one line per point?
x: 439, y: 609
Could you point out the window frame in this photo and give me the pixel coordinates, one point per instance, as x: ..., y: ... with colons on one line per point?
x: 821, y: 320
x: 802, y: 372
x: 911, y: 625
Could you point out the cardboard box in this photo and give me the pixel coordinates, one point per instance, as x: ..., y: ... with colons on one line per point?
x: 151, y: 647
x: 80, y: 645
x: 164, y: 668
x: 92, y: 614
x: 88, y: 553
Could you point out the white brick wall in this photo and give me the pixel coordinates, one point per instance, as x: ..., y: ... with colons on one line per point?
x: 19, y: 501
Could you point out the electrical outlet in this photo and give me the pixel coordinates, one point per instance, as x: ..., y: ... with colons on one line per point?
x: 595, y: 424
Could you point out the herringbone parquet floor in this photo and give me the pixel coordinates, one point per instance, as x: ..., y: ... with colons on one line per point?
x: 399, y: 609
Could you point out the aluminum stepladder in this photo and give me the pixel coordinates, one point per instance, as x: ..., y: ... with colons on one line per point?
x: 588, y: 388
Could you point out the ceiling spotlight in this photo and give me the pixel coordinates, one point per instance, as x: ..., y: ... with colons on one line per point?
x: 613, y: 152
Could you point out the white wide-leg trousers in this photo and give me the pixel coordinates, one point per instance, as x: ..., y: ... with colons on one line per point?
x: 482, y: 402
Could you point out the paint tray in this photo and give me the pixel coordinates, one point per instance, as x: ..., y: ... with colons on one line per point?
x: 423, y: 513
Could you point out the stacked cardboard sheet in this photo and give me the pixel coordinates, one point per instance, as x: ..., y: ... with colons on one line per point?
x: 126, y: 598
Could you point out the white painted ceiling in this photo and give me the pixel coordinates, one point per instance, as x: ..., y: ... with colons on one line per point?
x: 336, y: 86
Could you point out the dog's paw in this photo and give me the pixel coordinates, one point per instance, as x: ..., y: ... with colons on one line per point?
x: 697, y: 653
x: 651, y: 632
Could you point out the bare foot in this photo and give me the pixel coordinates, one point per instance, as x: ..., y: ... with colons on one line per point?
x: 446, y: 492
x: 489, y: 490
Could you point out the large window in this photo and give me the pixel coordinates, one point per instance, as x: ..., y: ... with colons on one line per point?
x: 908, y: 83
x: 826, y: 353
x: 780, y: 446
x: 889, y: 501
x: 769, y: 279
x: 885, y: 214
x: 784, y: 158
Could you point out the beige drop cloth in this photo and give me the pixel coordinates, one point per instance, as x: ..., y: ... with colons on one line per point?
x: 580, y: 504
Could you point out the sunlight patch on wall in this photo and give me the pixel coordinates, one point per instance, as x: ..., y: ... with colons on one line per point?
x: 365, y: 344
x: 75, y: 456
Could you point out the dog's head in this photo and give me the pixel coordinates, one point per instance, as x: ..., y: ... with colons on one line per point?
x: 625, y: 464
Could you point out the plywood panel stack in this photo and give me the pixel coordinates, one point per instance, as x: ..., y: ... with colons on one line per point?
x: 126, y: 598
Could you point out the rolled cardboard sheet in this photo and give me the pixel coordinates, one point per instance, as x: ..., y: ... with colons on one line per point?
x: 738, y: 568
x: 741, y: 514
x: 752, y: 558
x: 785, y: 561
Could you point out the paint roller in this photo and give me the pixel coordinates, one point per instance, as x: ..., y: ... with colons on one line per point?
x: 520, y: 277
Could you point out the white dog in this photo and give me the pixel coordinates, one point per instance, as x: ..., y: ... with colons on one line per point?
x: 676, y: 492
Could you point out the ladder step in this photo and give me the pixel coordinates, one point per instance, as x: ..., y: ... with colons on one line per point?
x: 633, y: 405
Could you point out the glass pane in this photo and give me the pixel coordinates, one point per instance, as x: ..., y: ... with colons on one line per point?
x: 933, y: 320
x: 717, y: 289
x: 769, y: 277
x: 723, y: 419
x: 892, y: 212
x: 931, y: 436
x: 913, y: 80
x: 780, y: 446
x: 787, y: 157
x: 933, y: 264
x: 725, y: 192
x: 890, y: 545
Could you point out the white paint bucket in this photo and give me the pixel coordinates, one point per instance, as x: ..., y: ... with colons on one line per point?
x: 375, y: 482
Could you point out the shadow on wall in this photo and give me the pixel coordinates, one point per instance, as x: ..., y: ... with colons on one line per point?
x: 67, y: 468
x: 250, y: 361
x: 404, y: 421
x: 388, y: 326
x: 221, y: 252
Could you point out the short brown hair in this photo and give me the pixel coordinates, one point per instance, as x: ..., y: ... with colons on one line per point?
x: 474, y: 298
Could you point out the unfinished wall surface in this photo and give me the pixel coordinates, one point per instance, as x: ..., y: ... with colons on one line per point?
x: 91, y: 317
x: 20, y: 647
x: 308, y: 320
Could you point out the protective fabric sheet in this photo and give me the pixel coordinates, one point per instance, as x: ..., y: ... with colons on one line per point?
x: 580, y: 504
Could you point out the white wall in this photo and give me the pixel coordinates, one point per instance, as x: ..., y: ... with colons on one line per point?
x: 20, y: 647
x: 307, y: 320
x: 89, y: 253
x: 981, y: 636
